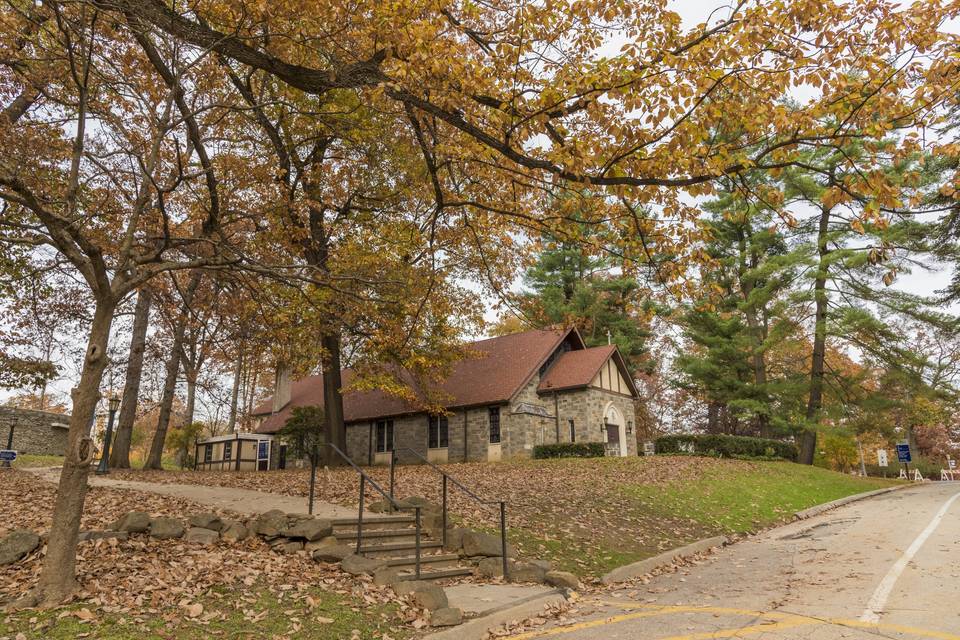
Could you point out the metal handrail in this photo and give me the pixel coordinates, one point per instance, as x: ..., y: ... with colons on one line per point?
x: 364, y: 478
x: 445, y: 478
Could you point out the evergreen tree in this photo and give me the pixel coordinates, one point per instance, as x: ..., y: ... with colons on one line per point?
x: 595, y: 293
x: 743, y: 314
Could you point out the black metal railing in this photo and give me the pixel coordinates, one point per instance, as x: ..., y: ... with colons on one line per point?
x: 365, y: 480
x: 445, y: 479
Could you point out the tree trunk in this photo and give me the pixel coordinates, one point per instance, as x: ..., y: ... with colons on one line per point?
x: 155, y: 457
x: 336, y: 432
x: 120, y: 455
x: 713, y: 417
x: 757, y: 333
x: 58, y: 576
x: 191, y: 395
x: 808, y: 442
x: 235, y: 397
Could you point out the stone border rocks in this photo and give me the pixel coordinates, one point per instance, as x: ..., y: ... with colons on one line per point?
x: 17, y: 545
x: 827, y: 506
x: 637, y: 569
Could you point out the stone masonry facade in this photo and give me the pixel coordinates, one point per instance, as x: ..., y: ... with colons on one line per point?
x: 528, y: 420
x: 34, y: 432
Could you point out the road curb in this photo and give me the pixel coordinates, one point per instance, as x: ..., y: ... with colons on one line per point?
x: 477, y: 628
x: 637, y: 569
x: 827, y: 506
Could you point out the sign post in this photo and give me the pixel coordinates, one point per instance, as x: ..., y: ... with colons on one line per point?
x: 903, y: 455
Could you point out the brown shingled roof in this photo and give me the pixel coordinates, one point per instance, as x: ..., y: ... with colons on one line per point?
x: 576, y: 368
x: 497, y: 370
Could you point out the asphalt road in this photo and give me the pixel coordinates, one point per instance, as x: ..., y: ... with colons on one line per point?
x: 886, y: 567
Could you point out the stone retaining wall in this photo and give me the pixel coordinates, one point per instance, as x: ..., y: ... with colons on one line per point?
x: 34, y: 432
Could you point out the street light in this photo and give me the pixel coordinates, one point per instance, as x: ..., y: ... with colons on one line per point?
x: 112, y: 404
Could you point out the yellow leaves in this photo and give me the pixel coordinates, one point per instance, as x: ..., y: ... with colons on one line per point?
x: 833, y: 196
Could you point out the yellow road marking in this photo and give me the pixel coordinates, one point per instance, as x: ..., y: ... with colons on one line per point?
x: 788, y: 620
x: 697, y: 609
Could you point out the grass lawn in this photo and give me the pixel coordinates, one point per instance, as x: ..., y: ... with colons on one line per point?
x: 26, y: 461
x: 308, y: 615
x: 741, y: 500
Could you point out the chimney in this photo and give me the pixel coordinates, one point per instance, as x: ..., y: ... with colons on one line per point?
x: 281, y: 388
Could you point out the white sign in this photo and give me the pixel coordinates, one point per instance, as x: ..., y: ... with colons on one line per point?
x: 649, y: 449
x: 882, y: 457
x: 952, y: 463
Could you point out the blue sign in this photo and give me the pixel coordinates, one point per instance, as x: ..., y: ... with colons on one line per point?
x: 7, y: 455
x: 903, y: 452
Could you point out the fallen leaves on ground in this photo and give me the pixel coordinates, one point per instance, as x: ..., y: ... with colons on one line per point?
x: 141, y: 578
x: 571, y: 503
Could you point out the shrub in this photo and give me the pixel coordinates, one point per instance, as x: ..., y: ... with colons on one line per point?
x: 727, y: 446
x: 569, y: 450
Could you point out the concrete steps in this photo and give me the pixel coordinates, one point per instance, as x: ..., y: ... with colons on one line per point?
x: 393, y: 537
x: 439, y: 574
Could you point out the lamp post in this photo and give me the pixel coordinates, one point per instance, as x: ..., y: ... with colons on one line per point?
x: 6, y: 463
x: 113, y: 404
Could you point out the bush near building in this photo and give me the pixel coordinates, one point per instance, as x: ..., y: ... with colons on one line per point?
x: 726, y: 446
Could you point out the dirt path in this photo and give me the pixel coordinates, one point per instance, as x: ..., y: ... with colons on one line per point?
x: 239, y: 500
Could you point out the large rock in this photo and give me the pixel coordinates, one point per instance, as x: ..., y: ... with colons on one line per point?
x: 270, y: 524
x: 102, y: 535
x: 431, y: 597
x: 386, y: 576
x: 484, y: 544
x: 17, y: 545
x: 133, y: 522
x: 493, y: 567
x: 199, y: 535
x: 527, y: 572
x: 166, y: 528
x: 406, y: 587
x: 207, y: 521
x: 562, y: 579
x: 328, y: 541
x: 424, y: 504
x: 359, y: 565
x: 455, y: 539
x: 234, y: 532
x: 310, y: 530
x: 380, y: 506
x: 432, y: 523
x: 289, y: 546
x: 332, y: 553
x: 446, y: 617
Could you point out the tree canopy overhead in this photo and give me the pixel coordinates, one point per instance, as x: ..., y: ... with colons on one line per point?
x: 536, y: 94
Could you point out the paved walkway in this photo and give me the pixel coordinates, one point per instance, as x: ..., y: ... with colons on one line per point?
x: 240, y: 500
x: 888, y: 567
